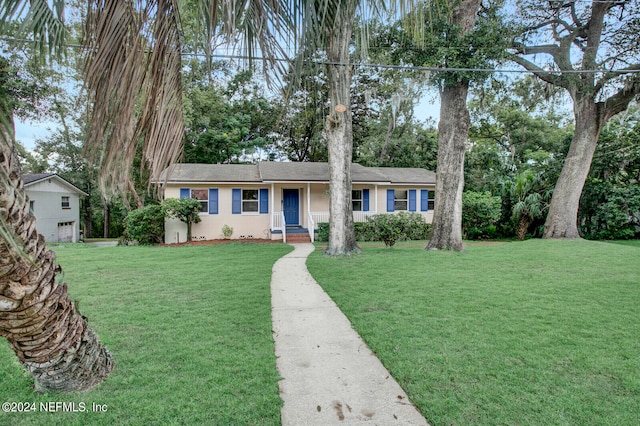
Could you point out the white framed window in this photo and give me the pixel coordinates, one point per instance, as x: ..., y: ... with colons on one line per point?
x: 202, y: 195
x: 250, y: 201
x: 356, y: 200
x: 65, y: 202
x: 401, y: 200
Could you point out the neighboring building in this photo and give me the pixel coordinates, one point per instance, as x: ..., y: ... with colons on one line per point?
x: 56, y: 206
x: 270, y: 200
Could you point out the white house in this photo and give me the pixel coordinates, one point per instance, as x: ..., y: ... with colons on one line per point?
x: 56, y: 206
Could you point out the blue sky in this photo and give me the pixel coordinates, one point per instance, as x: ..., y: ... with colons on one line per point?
x: 27, y: 132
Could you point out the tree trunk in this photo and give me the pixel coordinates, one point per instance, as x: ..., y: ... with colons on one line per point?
x: 562, y: 219
x: 50, y: 338
x: 453, y: 130
x: 339, y: 134
x: 188, y: 231
x: 523, y: 226
x: 88, y: 217
x: 106, y: 226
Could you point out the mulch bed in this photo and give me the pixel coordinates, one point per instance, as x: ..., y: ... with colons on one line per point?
x: 218, y: 242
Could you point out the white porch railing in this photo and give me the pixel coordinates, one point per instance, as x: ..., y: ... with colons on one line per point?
x: 284, y: 227
x: 362, y: 216
x: 277, y: 221
x: 317, y: 217
x: 311, y: 227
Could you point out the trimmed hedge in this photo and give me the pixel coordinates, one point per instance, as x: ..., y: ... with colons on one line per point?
x: 386, y: 227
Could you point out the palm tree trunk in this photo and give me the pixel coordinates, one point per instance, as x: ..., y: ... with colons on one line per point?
x: 523, y: 226
x: 50, y: 338
x: 339, y: 133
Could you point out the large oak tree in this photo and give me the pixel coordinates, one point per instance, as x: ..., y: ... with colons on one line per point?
x: 591, y: 51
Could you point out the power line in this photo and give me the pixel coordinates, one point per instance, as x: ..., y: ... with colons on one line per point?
x: 382, y: 66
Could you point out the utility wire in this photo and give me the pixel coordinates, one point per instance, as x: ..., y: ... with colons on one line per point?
x: 381, y: 66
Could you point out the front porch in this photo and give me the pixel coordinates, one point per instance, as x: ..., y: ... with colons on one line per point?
x: 279, y: 224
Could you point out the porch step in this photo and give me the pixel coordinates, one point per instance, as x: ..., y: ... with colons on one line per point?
x: 298, y: 238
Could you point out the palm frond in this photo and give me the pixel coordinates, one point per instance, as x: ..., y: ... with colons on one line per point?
x: 133, y: 76
x: 43, y: 20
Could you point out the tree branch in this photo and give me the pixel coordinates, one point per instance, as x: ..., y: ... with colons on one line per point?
x: 608, y: 76
x: 556, y: 80
x: 549, y: 49
x: 619, y: 101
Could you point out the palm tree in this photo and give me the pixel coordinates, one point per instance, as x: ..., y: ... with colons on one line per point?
x: 133, y: 78
x: 529, y: 203
x: 37, y: 317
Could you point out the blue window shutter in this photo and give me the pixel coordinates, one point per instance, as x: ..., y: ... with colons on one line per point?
x: 390, y: 199
x: 412, y: 200
x: 213, y: 200
x: 185, y: 193
x: 424, y: 200
x: 365, y: 200
x: 264, y: 201
x: 236, y: 201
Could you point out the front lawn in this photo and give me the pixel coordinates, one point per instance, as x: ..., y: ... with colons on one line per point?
x: 189, y: 328
x: 530, y: 333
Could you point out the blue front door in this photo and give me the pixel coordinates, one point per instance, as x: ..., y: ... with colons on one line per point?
x: 291, y: 206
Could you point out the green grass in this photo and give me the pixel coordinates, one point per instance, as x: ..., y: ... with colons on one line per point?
x: 633, y: 243
x: 189, y: 328
x: 529, y: 333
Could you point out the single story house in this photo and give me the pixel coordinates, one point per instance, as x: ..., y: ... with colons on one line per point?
x: 270, y: 200
x: 56, y: 205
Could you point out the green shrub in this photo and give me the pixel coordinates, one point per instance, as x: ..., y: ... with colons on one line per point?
x: 385, y: 227
x: 390, y: 228
x: 227, y: 231
x: 481, y: 212
x: 146, y: 225
x: 363, y: 231
x: 323, y: 231
x: 414, y: 225
x: 616, y: 217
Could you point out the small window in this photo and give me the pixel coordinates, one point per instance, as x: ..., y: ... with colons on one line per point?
x: 32, y: 206
x: 400, y: 201
x: 65, y: 202
x: 356, y: 200
x: 250, y: 203
x: 431, y: 202
x: 202, y: 195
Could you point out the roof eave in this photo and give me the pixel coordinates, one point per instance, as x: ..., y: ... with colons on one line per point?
x: 64, y: 182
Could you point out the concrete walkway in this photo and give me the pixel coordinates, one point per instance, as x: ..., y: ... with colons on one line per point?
x: 330, y: 376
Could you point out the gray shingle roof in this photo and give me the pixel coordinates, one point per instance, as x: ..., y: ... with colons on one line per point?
x: 187, y: 172
x: 272, y: 171
x: 29, y: 179
x: 34, y: 177
x: 295, y: 171
x: 400, y: 175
